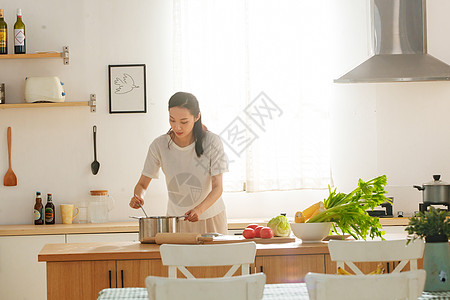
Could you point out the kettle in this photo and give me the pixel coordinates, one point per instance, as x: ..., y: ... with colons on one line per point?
x: 100, y: 204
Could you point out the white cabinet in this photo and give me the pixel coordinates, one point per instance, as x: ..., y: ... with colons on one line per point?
x: 21, y: 275
x: 102, y: 237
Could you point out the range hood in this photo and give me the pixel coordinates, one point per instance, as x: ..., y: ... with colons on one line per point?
x: 399, y: 46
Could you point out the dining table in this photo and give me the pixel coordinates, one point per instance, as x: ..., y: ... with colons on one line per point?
x: 277, y: 291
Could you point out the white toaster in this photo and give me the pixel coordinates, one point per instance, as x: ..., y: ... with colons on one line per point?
x: 44, y: 89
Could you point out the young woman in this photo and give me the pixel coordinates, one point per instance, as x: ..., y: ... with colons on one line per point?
x: 193, y: 161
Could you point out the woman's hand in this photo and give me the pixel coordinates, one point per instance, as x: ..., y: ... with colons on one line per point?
x: 139, y: 191
x: 134, y: 202
x: 193, y: 215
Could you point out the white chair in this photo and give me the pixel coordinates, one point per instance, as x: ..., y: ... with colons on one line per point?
x: 245, y: 287
x: 395, y: 285
x: 404, y: 285
x: 348, y: 252
x: 181, y: 256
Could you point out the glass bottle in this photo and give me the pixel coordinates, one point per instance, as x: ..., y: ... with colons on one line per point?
x: 3, y: 34
x: 49, y: 210
x: 38, y: 210
x: 19, y: 34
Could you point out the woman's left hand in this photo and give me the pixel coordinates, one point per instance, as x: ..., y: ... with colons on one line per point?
x: 193, y: 215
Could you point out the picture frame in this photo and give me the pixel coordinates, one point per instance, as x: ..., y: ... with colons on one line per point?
x: 127, y: 89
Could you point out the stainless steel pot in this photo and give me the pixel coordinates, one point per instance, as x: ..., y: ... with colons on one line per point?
x: 150, y: 226
x: 436, y: 191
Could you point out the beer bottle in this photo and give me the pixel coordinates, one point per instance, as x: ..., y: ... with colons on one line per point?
x: 49, y: 210
x: 38, y: 210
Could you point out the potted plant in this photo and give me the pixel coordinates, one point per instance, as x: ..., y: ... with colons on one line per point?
x: 434, y: 227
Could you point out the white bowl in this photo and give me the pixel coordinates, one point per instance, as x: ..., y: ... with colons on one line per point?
x: 311, y: 232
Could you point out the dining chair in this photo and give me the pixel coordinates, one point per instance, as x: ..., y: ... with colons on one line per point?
x: 395, y: 285
x: 348, y: 252
x: 245, y: 287
x: 403, y: 285
x: 181, y: 256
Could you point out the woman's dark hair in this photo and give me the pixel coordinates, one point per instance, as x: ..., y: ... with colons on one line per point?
x: 188, y: 101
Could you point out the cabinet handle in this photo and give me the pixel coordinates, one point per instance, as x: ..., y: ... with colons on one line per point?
x: 261, y: 268
x: 388, y: 268
x: 121, y: 275
x: 110, y: 279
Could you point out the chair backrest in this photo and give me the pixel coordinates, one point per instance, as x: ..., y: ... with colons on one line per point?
x: 404, y: 285
x: 181, y: 256
x: 348, y: 252
x: 245, y: 287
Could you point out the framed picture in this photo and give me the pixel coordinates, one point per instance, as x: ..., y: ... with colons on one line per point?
x: 127, y: 89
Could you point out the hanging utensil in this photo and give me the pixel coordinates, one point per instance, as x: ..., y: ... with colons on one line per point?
x: 95, y: 164
x: 10, y: 178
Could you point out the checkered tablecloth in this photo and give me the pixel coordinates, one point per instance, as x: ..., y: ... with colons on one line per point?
x: 282, y: 291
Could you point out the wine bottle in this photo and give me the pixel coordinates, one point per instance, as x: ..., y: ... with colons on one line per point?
x: 3, y: 34
x: 19, y: 34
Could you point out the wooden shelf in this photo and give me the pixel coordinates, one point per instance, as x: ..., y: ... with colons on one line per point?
x: 92, y: 103
x: 50, y: 54
x: 35, y: 105
x: 33, y: 55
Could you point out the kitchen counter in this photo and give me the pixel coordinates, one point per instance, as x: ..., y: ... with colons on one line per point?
x: 133, y: 227
x: 136, y: 250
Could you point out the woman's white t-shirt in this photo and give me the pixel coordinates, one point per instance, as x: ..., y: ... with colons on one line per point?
x: 188, y: 177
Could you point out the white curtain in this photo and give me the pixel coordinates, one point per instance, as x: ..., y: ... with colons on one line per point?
x: 261, y: 73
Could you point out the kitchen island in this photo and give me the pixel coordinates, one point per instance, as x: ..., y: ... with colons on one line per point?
x: 81, y: 270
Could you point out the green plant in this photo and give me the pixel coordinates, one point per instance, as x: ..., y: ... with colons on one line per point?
x: 431, y: 224
x: 348, y: 211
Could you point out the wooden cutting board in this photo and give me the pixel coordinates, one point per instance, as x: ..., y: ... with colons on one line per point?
x: 194, y: 238
x: 223, y: 239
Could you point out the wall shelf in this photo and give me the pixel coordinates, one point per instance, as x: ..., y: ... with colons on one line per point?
x: 91, y: 103
x: 35, y: 105
x: 52, y: 54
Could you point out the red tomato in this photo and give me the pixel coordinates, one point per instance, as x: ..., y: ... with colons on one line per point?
x: 258, y: 231
x: 252, y: 226
x: 248, y: 233
x: 266, y: 233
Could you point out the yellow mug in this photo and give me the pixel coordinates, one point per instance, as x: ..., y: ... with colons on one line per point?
x: 67, y: 213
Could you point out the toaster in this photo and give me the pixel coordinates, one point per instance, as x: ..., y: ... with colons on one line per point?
x: 44, y: 89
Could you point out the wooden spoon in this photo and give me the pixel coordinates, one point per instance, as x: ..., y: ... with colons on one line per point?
x: 10, y: 178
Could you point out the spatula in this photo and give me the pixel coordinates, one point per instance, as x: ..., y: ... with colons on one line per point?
x: 10, y: 178
x: 95, y: 164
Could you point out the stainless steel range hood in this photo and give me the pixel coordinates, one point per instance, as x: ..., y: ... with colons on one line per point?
x: 399, y: 46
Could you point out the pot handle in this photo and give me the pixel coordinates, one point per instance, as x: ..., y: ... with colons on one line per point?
x: 419, y: 187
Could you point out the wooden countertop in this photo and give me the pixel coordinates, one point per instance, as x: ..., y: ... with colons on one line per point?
x: 136, y: 250
x: 133, y: 226
x: 110, y: 227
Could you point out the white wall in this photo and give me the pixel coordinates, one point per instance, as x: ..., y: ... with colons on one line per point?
x: 395, y: 129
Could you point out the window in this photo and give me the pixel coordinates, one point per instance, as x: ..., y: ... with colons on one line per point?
x: 260, y: 72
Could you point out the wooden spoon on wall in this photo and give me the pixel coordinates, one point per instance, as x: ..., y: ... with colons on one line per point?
x: 10, y: 178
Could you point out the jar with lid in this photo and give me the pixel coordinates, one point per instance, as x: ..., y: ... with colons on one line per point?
x: 100, y: 204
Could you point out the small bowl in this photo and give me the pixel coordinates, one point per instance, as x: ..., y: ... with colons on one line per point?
x: 311, y: 232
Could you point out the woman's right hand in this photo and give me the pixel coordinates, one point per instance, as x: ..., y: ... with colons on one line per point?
x: 134, y: 202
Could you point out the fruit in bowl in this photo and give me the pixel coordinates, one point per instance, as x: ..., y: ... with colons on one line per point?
x: 311, y: 232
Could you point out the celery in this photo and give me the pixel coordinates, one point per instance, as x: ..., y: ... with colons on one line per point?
x: 348, y: 211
